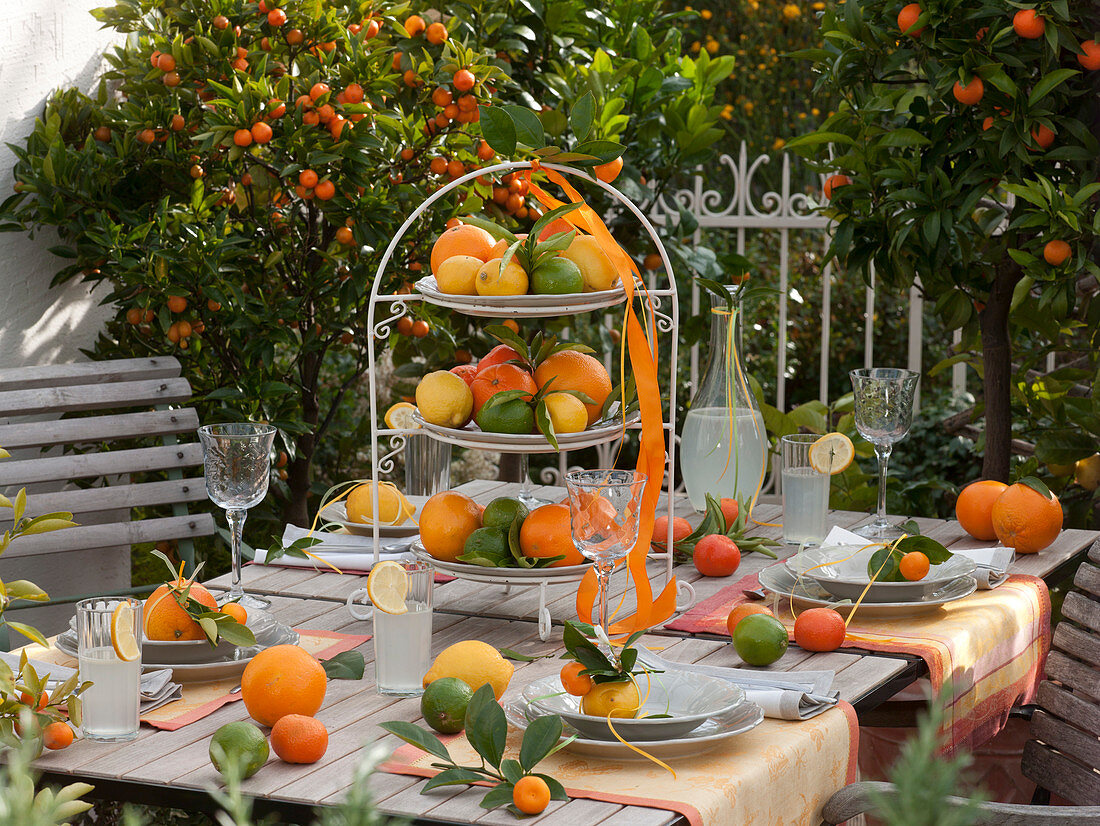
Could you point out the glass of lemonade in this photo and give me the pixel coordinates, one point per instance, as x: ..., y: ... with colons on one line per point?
x: 109, y: 654
x: 805, y: 492
x: 403, y: 642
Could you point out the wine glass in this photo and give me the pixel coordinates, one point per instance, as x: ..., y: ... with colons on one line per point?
x: 603, y: 509
x: 883, y: 415
x: 237, y: 461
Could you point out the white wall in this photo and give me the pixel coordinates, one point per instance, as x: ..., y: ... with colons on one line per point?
x: 48, y: 44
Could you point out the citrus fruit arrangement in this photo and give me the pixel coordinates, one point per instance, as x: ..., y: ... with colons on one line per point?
x: 1025, y: 516
x: 606, y: 688
x: 716, y: 546
x: 480, y: 257
x: 523, y: 387
x: 182, y: 610
x: 453, y: 528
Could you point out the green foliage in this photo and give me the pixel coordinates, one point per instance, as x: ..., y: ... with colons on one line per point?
x: 20, y: 804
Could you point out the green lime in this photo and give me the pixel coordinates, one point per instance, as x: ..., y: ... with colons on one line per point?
x: 515, y: 416
x: 239, y: 741
x: 760, y: 639
x: 443, y: 704
x: 502, y: 511
x: 489, y: 543
x: 557, y: 276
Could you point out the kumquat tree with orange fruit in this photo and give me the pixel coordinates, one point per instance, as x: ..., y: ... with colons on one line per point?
x: 241, y: 166
x: 964, y: 157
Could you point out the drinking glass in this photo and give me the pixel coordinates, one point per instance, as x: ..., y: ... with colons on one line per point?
x: 237, y: 459
x: 110, y: 705
x: 805, y: 491
x: 403, y: 642
x: 883, y: 414
x: 603, y: 510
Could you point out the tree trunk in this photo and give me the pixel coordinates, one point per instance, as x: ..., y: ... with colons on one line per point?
x: 997, y: 363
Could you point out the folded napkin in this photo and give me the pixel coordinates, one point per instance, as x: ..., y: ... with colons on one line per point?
x: 345, y: 551
x: 792, y: 695
x: 157, y: 688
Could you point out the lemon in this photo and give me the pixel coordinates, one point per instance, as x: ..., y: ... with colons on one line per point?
x: 458, y: 275
x: 239, y: 741
x: 1086, y: 472
x: 567, y: 413
x: 491, y: 280
x: 618, y: 699
x: 387, y: 585
x: 444, y: 399
x: 400, y: 416
x: 443, y: 705
x: 596, y: 268
x: 474, y: 662
x: 122, y: 633
x: 832, y: 453
x: 393, y: 507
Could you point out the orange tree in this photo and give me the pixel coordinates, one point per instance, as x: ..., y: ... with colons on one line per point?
x: 965, y: 152
x: 242, y: 165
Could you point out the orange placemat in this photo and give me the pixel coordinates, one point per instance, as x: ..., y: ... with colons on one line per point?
x: 779, y: 773
x: 991, y: 646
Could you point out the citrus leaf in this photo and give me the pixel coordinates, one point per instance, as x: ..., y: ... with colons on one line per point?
x: 452, y: 777
x: 541, y: 736
x: 499, y: 795
x: 498, y: 129
x: 932, y: 549
x: 1038, y: 486
x: 486, y: 726
x: 416, y: 736
x: 347, y: 665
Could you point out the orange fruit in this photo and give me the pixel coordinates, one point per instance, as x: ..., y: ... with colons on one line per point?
x: 464, y: 239
x: 730, y: 509
x: 579, y: 372
x: 466, y: 372
x: 261, y: 132
x: 464, y: 80
x: 1056, y: 252
x: 833, y: 183
x: 547, y: 532
x: 974, y: 508
x: 819, y: 629
x: 607, y: 172
x: 907, y: 17
x: 307, y: 178
x: 236, y: 610
x: 531, y: 795
x: 1026, y: 520
x: 414, y: 25
x: 318, y: 90
x: 652, y: 262
x: 987, y: 123
x: 27, y: 700
x: 281, y: 680
x: 969, y: 94
x: 57, y: 735
x: 914, y: 566
x: 680, y: 529
x: 276, y: 18
x: 1091, y: 58
x: 325, y: 190
x: 242, y: 137
x: 163, y: 619
x: 716, y: 555
x: 1028, y: 24
x: 500, y: 354
x: 573, y: 681
x: 446, y: 521
x: 1043, y: 136
x: 297, y: 738
x: 743, y: 610
x: 436, y: 33
x: 498, y: 378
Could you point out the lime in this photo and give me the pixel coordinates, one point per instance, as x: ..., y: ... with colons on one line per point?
x: 557, y: 276
x: 489, y: 543
x: 515, y: 416
x: 760, y: 639
x: 239, y: 741
x: 502, y: 511
x: 443, y: 704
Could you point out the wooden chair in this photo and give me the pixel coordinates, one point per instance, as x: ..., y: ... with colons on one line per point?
x: 1063, y: 753
x: 95, y: 557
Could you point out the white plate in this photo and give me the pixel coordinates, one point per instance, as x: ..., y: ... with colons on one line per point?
x: 466, y: 570
x: 688, y: 697
x: 519, y: 306
x: 336, y: 513
x: 842, y: 571
x: 472, y: 436
x: 807, y: 592
x: 710, y: 735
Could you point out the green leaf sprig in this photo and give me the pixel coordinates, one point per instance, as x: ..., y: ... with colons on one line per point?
x: 579, y: 646
x: 885, y: 563
x: 714, y: 522
x: 487, y: 732
x: 45, y: 709
x: 215, y: 625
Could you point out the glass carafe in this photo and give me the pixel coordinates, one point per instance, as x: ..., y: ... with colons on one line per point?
x: 723, y: 447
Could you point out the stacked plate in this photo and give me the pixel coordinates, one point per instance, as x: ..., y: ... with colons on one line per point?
x: 195, y: 661
x: 523, y: 306
x: 683, y: 714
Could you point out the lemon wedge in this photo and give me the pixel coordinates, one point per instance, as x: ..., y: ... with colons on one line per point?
x: 387, y: 585
x: 122, y: 633
x: 400, y: 416
x: 832, y: 453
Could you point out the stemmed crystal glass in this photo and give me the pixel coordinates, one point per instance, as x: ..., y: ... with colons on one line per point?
x: 883, y: 416
x: 525, y: 495
x: 237, y: 461
x: 603, y: 509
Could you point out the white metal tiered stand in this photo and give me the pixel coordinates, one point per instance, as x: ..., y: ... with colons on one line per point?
x: 665, y: 321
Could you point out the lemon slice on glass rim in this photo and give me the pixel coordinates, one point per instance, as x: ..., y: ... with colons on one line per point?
x: 832, y: 453
x: 387, y: 585
x: 122, y: 633
x: 400, y: 416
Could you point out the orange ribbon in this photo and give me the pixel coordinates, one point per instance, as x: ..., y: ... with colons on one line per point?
x: 651, y: 455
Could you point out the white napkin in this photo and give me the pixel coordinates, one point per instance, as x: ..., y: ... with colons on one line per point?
x: 791, y: 695
x: 345, y: 551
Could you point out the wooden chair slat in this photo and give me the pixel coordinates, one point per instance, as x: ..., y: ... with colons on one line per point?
x: 112, y: 497
x: 1094, y: 552
x: 1087, y: 578
x: 1061, y: 703
x: 88, y: 372
x: 1066, y: 738
x: 94, y: 397
x: 1074, y: 675
x: 112, y: 463
x: 1078, y: 643
x: 1082, y: 610
x: 1060, y: 774
x: 98, y: 428
x: 117, y: 533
